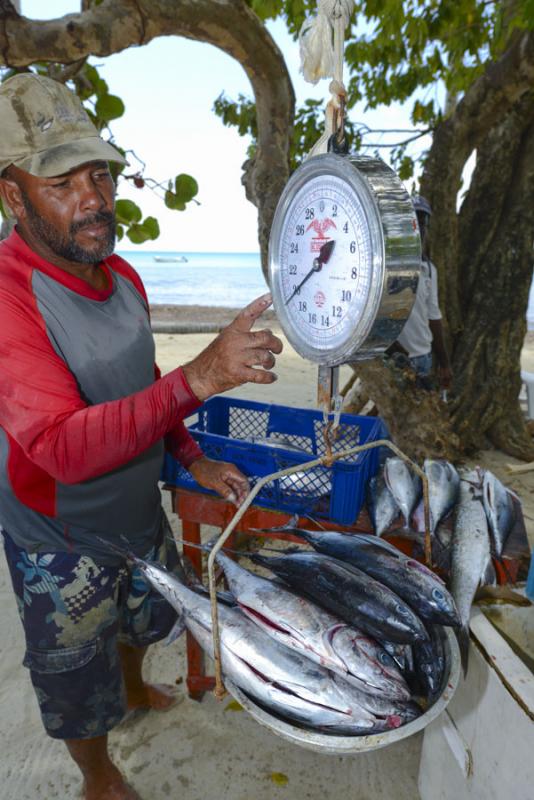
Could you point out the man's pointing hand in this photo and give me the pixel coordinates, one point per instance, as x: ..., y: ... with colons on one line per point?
x: 238, y: 355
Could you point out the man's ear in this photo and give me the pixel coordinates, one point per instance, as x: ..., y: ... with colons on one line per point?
x: 11, y: 196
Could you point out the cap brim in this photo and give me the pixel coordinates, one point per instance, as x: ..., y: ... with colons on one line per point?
x: 66, y: 157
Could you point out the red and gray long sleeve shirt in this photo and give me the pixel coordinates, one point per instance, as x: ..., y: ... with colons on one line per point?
x: 84, y: 413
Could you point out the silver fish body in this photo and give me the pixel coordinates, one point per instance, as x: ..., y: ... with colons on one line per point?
x: 470, y: 557
x: 405, y: 487
x: 499, y: 508
x: 382, y: 506
x: 272, y: 674
x: 305, y: 627
x: 348, y: 593
x: 280, y: 443
x: 443, y: 487
x: 312, y: 483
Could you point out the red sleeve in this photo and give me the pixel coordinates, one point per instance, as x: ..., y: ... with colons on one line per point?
x: 42, y: 410
x: 179, y: 442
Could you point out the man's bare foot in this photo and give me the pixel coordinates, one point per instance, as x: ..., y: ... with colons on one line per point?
x: 156, y: 696
x: 116, y: 789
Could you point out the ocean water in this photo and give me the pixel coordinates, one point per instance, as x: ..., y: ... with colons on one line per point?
x: 230, y: 280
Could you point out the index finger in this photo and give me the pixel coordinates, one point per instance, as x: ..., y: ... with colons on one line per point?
x: 248, y: 316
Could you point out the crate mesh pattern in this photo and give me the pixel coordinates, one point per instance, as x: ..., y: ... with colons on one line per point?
x: 227, y: 429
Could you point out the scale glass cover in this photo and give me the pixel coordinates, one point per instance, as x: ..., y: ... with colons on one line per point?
x: 344, y: 258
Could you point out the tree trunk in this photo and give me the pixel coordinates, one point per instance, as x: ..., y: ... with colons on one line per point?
x: 495, y: 259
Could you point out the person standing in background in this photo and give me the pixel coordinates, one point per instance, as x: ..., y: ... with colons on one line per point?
x: 422, y: 336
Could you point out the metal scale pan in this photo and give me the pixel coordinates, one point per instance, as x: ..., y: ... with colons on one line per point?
x: 352, y: 745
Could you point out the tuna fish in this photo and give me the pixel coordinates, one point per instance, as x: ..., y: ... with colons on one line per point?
x: 421, y: 588
x: 300, y: 624
x: 382, y: 506
x: 443, y: 486
x: 470, y: 557
x: 348, y: 593
x: 405, y: 487
x: 429, y: 663
x: 276, y: 677
x: 499, y: 508
x: 402, y: 655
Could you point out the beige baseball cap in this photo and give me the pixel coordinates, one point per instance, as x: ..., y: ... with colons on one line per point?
x: 44, y: 129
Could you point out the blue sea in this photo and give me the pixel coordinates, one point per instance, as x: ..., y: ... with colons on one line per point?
x: 230, y: 280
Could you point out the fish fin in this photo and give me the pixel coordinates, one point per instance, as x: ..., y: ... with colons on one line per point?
x: 462, y: 634
x: 263, y: 561
x: 287, y: 528
x: 176, y: 631
x: 192, y: 578
x: 489, y: 576
x: 123, y: 551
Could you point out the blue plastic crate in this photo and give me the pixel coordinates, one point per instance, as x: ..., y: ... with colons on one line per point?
x: 225, y: 431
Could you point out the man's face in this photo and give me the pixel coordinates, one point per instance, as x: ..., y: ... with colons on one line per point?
x: 72, y: 214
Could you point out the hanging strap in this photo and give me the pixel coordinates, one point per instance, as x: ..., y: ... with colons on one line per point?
x: 321, y: 40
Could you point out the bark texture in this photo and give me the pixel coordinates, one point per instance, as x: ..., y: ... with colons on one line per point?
x: 484, y: 256
x: 409, y: 412
x: 229, y: 25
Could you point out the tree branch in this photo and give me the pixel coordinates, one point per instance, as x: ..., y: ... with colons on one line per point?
x: 230, y: 25
x: 490, y: 97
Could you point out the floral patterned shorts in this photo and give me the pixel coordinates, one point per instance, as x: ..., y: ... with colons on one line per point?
x: 74, y: 612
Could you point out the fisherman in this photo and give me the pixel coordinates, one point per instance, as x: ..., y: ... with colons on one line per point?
x: 422, y: 335
x: 84, y: 419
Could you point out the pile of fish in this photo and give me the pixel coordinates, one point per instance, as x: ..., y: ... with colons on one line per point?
x: 484, y: 515
x: 346, y: 638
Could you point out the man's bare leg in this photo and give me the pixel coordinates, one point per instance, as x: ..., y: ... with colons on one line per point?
x: 138, y: 693
x: 102, y: 779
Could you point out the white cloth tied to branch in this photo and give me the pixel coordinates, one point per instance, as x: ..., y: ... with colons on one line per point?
x: 321, y: 41
x: 321, y: 52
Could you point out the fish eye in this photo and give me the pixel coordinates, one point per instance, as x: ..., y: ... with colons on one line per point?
x: 404, y: 611
x: 385, y: 659
x: 437, y: 594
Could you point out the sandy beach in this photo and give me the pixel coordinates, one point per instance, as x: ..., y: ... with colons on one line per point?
x: 206, y: 750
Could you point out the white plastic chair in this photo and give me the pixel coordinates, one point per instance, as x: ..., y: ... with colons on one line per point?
x: 528, y: 380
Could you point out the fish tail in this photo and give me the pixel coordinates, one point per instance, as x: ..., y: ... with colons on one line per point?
x: 263, y: 561
x: 462, y: 634
x: 289, y: 526
x: 123, y: 551
x: 489, y: 576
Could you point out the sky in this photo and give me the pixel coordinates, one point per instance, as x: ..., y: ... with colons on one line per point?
x: 169, y: 87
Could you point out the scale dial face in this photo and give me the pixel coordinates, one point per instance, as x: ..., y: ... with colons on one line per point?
x: 326, y: 259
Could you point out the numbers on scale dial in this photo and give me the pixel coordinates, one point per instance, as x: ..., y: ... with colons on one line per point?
x: 315, y: 217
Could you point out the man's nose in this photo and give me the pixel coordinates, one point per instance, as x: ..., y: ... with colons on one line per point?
x: 91, y: 197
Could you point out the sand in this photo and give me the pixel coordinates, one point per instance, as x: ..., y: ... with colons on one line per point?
x: 205, y: 750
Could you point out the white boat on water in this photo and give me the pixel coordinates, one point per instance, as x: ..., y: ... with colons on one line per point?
x: 170, y: 259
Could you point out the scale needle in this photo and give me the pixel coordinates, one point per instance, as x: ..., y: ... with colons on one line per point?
x: 324, y: 255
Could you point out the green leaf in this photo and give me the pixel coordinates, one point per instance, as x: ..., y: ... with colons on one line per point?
x: 151, y: 226
x: 173, y: 202
x: 137, y: 234
x: 279, y: 778
x: 109, y: 107
x: 127, y: 211
x: 185, y: 188
x: 233, y: 705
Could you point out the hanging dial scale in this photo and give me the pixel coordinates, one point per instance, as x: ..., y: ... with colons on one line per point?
x: 344, y: 254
